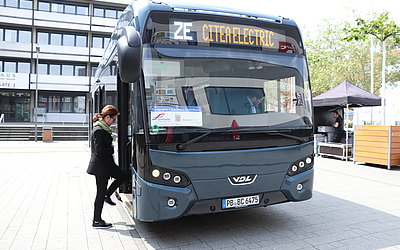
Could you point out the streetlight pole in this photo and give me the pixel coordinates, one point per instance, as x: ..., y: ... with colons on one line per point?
x: 36, y: 91
x: 384, y: 81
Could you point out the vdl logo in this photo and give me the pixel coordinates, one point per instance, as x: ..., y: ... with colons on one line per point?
x: 242, y: 179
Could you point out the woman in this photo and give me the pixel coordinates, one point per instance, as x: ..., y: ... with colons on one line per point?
x: 102, y: 164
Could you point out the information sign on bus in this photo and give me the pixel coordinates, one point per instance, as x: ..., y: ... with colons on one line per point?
x: 207, y: 30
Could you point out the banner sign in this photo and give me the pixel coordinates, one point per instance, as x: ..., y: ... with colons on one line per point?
x: 176, y: 116
x: 14, y: 80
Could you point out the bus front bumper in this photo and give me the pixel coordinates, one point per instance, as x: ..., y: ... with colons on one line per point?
x: 154, y: 202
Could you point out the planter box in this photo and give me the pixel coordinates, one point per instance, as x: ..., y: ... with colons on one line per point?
x: 377, y: 144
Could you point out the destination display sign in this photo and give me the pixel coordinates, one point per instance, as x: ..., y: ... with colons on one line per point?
x: 207, y: 31
x: 221, y: 31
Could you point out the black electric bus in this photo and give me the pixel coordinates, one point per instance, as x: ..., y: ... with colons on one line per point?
x: 216, y: 111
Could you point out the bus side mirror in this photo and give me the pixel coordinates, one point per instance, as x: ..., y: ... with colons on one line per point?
x: 129, y: 55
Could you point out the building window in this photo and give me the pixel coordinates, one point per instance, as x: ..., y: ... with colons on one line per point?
x: 10, y: 67
x: 110, y: 70
x: 110, y: 14
x: 54, y: 104
x: 79, y: 104
x: 66, y: 69
x: 23, y: 4
x: 42, y: 69
x: 56, y: 7
x: 93, y: 69
x: 81, y: 41
x: 12, y: 3
x: 55, y: 39
x: 42, y: 103
x: 44, y: 6
x: 55, y: 69
x: 42, y: 38
x: 80, y: 70
x: 98, y: 12
x: 64, y: 7
x: 67, y: 104
x: 62, y: 39
x: 14, y: 66
x: 62, y: 103
x: 10, y: 35
x: 23, y: 67
x: 15, y: 35
x: 69, y: 9
x: 99, y: 41
x: 81, y: 10
x: 107, y: 12
x: 68, y: 40
x: 24, y: 36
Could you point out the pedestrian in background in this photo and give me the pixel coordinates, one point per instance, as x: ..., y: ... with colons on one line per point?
x: 102, y: 164
x: 338, y: 126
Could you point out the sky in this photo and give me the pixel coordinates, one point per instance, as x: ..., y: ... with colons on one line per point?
x: 309, y: 13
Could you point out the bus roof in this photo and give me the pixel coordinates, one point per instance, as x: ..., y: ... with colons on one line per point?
x: 136, y: 13
x: 180, y: 6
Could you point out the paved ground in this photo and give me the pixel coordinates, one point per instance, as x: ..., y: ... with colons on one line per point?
x: 47, y: 203
x: 47, y: 199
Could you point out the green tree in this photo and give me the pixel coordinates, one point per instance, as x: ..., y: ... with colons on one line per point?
x: 333, y: 60
x: 380, y: 28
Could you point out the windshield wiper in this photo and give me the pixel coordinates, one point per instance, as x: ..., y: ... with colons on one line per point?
x: 275, y: 132
x: 297, y: 138
x: 184, y: 145
x: 239, y: 130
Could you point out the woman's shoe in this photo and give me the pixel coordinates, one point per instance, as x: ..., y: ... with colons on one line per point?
x: 101, y: 224
x: 109, y: 201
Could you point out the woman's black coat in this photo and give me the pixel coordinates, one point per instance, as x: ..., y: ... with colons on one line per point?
x: 102, y: 161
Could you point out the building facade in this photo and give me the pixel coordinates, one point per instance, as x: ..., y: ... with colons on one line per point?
x: 57, y: 44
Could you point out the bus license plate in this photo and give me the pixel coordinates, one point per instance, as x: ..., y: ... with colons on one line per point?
x: 240, y: 201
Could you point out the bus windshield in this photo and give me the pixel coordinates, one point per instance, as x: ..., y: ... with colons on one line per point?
x: 202, y: 92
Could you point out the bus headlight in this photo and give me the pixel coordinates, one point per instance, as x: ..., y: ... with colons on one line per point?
x: 299, y: 187
x: 167, y: 177
x: 177, y: 179
x: 171, y: 202
x: 155, y: 173
x: 301, y: 165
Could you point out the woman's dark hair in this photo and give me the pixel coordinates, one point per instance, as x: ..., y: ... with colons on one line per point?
x: 107, y: 110
x: 337, y: 112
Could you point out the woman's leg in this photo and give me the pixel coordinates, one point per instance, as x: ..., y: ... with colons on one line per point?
x: 120, y: 177
x: 101, y: 183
